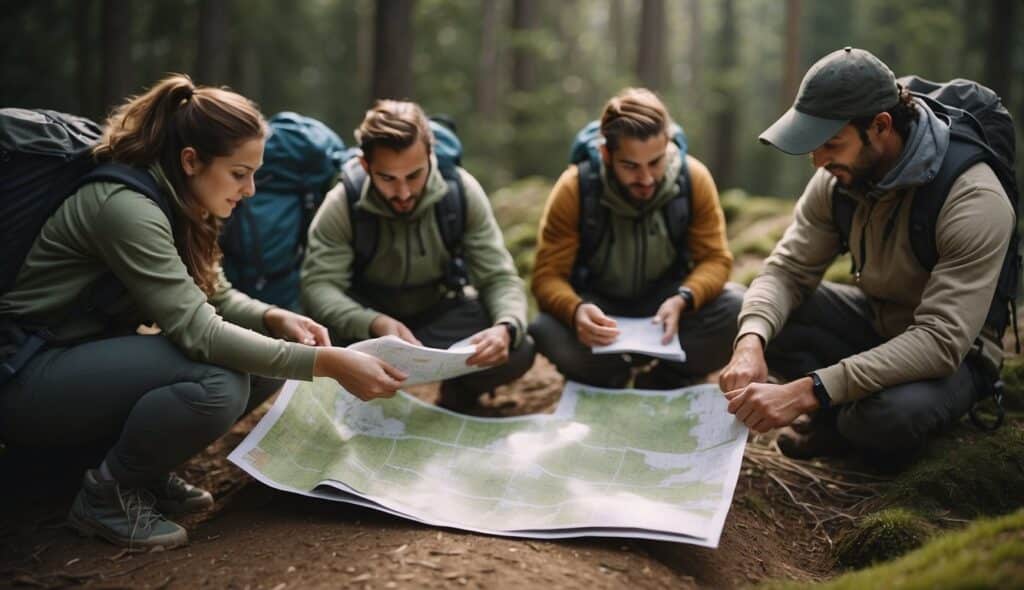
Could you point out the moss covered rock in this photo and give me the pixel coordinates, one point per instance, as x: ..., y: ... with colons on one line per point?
x: 976, y: 475
x: 882, y: 536
x: 987, y: 554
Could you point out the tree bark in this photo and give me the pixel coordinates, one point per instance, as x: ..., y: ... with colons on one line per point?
x: 116, y: 63
x: 487, y: 66
x: 696, y: 49
x: 393, y: 43
x: 791, y: 76
x: 524, y: 66
x: 85, y: 76
x: 650, y: 58
x: 725, y: 117
x: 617, y: 30
x: 212, y: 53
x: 999, y: 48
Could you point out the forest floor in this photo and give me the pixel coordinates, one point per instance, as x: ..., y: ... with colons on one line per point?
x: 256, y: 537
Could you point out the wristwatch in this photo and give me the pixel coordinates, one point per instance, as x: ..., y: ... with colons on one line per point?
x: 820, y: 393
x: 687, y: 294
x: 512, y: 333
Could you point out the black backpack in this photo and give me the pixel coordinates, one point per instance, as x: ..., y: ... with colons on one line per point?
x: 981, y: 130
x: 594, y: 217
x: 449, y: 212
x: 45, y: 156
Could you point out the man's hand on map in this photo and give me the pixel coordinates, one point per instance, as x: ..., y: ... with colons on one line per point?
x: 491, y: 347
x: 668, y: 317
x: 593, y: 328
x: 365, y: 376
x: 288, y: 325
x: 746, y: 366
x: 385, y: 325
x: 764, y: 406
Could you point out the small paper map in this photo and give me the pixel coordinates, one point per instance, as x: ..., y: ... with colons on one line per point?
x: 421, y: 364
x: 613, y: 463
x: 643, y: 336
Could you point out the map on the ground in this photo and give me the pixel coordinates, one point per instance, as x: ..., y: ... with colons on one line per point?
x: 422, y: 364
x: 643, y: 336
x: 611, y: 463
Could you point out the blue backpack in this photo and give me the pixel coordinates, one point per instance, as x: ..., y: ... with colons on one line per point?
x: 264, y: 241
x: 585, y: 152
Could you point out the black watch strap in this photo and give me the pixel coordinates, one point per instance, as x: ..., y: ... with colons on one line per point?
x: 820, y: 393
x: 512, y: 333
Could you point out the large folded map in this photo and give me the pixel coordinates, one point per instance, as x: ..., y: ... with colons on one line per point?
x: 614, y: 463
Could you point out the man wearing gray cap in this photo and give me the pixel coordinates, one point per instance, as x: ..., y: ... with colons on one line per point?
x: 879, y: 365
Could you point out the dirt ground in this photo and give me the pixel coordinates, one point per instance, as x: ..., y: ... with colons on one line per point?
x: 256, y: 537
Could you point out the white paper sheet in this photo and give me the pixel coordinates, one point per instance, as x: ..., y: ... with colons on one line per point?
x: 420, y: 363
x: 643, y: 336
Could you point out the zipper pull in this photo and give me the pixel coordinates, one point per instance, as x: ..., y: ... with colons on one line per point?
x: 856, y: 277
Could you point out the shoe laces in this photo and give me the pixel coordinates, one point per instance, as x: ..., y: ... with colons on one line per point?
x: 139, y: 507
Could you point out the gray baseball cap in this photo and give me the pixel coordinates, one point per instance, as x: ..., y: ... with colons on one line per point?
x: 841, y: 86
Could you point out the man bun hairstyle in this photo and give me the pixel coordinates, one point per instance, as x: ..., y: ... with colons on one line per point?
x: 636, y: 113
x: 393, y: 124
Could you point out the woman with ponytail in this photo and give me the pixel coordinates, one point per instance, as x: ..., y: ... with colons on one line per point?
x: 219, y: 353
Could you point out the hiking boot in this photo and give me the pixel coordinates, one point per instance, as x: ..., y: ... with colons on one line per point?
x: 122, y: 516
x: 807, y: 438
x: 174, y: 495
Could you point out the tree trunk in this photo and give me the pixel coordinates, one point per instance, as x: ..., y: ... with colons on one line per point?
x: 487, y: 68
x: 650, y: 58
x: 212, y: 53
x: 365, y: 15
x: 617, y: 30
x: 85, y: 64
x: 116, y: 63
x: 696, y: 49
x: 524, y: 67
x: 393, y: 43
x: 999, y: 48
x: 724, y: 127
x: 791, y: 76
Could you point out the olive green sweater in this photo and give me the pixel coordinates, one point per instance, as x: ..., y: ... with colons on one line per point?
x: 107, y: 227
x: 409, y: 262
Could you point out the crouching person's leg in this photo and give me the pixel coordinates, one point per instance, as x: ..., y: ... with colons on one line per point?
x: 576, y: 361
x: 892, y: 426
x: 459, y: 319
x: 161, y: 407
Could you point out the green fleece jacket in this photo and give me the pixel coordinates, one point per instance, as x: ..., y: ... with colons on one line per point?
x: 409, y: 261
x: 107, y: 227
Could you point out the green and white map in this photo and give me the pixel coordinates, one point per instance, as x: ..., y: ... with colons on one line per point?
x: 613, y: 463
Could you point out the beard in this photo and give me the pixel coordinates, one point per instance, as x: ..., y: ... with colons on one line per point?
x: 862, y: 174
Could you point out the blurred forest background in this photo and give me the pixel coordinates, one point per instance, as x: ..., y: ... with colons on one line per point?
x: 518, y: 76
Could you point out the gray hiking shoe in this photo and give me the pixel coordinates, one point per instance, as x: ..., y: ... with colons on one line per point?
x: 174, y: 495
x: 122, y: 516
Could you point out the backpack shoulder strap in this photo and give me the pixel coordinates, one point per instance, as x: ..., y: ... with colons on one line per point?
x: 843, y: 207
x: 677, y: 218
x: 929, y: 198
x: 365, y: 230
x: 137, y: 179
x: 450, y: 213
x: 592, y: 224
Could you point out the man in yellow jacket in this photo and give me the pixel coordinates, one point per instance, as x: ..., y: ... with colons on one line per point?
x: 630, y: 263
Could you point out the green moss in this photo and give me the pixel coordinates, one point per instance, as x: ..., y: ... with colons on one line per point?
x: 987, y: 554
x: 882, y: 536
x: 980, y: 476
x: 1013, y: 380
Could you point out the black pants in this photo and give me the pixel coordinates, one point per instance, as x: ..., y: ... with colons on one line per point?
x: 141, y: 391
x: 706, y: 335
x: 454, y: 319
x: 835, y: 323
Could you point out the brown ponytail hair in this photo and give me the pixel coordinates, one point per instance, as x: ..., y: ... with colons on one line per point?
x: 154, y: 127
